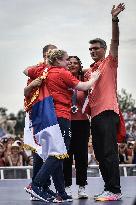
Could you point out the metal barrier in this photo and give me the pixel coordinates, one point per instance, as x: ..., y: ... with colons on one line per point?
x: 93, y: 170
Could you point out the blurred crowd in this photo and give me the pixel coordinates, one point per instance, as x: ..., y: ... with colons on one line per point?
x: 127, y: 149
x: 12, y: 152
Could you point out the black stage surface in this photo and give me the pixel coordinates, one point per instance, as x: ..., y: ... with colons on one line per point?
x: 12, y: 192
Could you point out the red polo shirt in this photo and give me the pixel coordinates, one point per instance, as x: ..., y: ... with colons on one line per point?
x: 104, y: 94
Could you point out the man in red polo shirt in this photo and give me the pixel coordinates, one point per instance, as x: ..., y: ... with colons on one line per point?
x: 104, y: 108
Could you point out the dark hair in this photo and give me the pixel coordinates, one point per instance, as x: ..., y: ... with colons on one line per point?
x: 46, y: 48
x: 80, y: 72
x: 99, y: 40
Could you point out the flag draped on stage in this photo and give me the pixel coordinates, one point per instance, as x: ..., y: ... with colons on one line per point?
x: 43, y: 132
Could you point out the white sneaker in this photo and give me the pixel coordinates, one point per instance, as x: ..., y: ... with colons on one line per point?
x: 81, y: 193
x: 68, y: 190
x: 108, y: 196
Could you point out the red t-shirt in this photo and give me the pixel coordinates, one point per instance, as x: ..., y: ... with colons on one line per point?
x: 60, y: 83
x: 36, y: 71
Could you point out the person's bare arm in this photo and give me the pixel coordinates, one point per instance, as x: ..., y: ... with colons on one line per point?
x: 115, y: 29
x: 25, y: 71
x: 88, y: 84
x: 35, y: 83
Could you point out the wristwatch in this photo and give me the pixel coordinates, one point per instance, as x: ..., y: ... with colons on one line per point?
x: 115, y: 19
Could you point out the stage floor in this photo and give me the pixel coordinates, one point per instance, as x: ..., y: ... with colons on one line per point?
x: 12, y: 192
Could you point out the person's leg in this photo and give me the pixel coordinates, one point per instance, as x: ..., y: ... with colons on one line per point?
x: 65, y: 127
x: 104, y: 139
x: 80, y: 133
x: 47, y: 169
x: 67, y: 163
x: 67, y: 168
x: 37, y: 164
x: 58, y: 178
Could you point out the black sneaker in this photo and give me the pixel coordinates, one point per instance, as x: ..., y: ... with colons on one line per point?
x: 62, y: 198
x: 39, y: 193
x: 50, y: 192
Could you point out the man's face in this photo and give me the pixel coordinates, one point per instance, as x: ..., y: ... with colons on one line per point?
x: 97, y: 52
x: 45, y: 53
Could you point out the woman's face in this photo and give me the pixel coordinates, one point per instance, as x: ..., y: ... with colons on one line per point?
x: 73, y: 66
x: 15, y: 150
x: 64, y: 62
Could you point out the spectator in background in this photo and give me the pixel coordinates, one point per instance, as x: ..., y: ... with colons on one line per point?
x: 123, y: 156
x: 2, y: 158
x: 134, y: 154
x: 130, y: 143
x: 25, y: 153
x: 30, y: 161
x: 15, y: 158
x: 134, y: 130
x: 8, y: 143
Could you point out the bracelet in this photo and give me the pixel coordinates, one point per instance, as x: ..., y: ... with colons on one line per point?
x: 115, y: 19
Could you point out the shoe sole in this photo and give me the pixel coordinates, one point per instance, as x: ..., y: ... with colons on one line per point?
x: 102, y: 199
x: 34, y: 199
x: 29, y: 191
x: 82, y: 197
x: 39, y: 197
x: 107, y: 199
x: 58, y: 201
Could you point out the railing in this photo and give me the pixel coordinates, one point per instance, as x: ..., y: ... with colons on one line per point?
x: 125, y: 169
x: 20, y: 172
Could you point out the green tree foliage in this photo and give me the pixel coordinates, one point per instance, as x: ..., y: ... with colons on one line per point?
x: 126, y: 101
